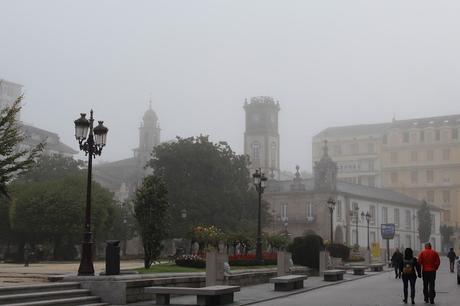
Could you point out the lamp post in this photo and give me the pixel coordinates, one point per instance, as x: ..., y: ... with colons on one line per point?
x: 259, y: 182
x: 368, y: 217
x: 331, y: 205
x: 91, y: 141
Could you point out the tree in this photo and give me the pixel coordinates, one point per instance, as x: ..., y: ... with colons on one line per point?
x: 151, y: 211
x: 446, y: 232
x: 208, y: 181
x: 53, y: 166
x: 52, y: 211
x: 13, y: 160
x: 424, y: 222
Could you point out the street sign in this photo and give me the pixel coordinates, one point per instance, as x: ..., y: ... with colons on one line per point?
x: 387, y: 230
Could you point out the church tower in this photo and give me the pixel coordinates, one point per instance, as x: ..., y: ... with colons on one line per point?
x: 325, y: 172
x: 261, y: 138
x: 149, y: 135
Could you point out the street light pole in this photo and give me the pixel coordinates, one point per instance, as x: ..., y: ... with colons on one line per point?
x: 96, y: 139
x: 259, y: 183
x: 331, y: 205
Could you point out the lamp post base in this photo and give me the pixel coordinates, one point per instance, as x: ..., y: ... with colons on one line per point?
x: 86, y: 262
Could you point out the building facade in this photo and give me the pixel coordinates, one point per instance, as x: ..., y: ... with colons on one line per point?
x: 9, y: 92
x: 300, y: 204
x: 417, y: 157
x: 261, y: 136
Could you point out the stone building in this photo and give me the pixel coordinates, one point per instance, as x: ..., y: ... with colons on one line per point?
x: 122, y: 177
x: 261, y: 137
x: 300, y: 204
x: 418, y: 157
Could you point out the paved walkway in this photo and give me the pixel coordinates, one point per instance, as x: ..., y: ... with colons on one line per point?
x: 264, y: 292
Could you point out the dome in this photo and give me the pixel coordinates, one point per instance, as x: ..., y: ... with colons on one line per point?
x: 150, y: 115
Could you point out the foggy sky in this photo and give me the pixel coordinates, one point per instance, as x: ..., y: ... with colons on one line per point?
x: 328, y: 63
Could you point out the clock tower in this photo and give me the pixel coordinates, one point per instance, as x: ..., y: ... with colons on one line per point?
x: 261, y: 138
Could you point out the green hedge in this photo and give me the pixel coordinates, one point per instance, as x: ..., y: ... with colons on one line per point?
x: 305, y: 250
x: 338, y: 250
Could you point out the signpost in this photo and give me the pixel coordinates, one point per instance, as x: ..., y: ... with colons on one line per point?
x: 388, y: 232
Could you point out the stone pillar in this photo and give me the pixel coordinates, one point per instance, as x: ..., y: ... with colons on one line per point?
x: 283, y: 263
x: 215, y: 268
x: 323, y: 258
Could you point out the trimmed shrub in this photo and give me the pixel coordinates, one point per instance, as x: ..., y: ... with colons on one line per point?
x: 338, y: 250
x: 192, y: 261
x: 305, y: 250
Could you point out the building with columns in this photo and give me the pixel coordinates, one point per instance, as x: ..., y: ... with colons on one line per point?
x: 261, y: 137
x: 300, y: 204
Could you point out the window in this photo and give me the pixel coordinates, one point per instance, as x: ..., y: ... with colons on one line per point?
x: 385, y: 139
x: 384, y: 215
x: 414, y: 177
x: 371, y: 181
x: 430, y: 196
x: 355, y: 211
x: 413, y: 156
x: 406, y: 137
x: 256, y: 153
x: 337, y: 149
x: 422, y: 136
x: 372, y: 212
x: 437, y: 135
x: 370, y: 148
x: 353, y: 237
x: 397, y: 241
x: 446, y: 196
x: 354, y: 148
x: 284, y: 211
x: 429, y: 176
x: 394, y: 157
x: 339, y: 210
x: 454, y: 133
x: 445, y: 154
x: 408, y: 219
x: 394, y: 177
x: 446, y: 216
x: 371, y: 165
x: 372, y: 237
x: 429, y: 155
x: 396, y: 212
x: 273, y: 155
x: 309, y: 211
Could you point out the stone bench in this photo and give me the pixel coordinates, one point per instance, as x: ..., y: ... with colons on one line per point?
x: 211, y: 295
x: 288, y: 282
x: 376, y: 267
x: 358, y: 270
x: 333, y: 275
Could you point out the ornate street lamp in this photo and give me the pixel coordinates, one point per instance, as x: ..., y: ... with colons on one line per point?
x: 331, y: 205
x: 259, y: 182
x: 368, y: 217
x: 91, y: 143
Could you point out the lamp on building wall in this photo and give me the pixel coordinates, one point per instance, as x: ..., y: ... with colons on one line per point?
x: 259, y: 182
x: 91, y: 141
x: 368, y: 218
x: 331, y: 206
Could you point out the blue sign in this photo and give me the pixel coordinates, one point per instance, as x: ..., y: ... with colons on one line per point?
x: 388, y: 230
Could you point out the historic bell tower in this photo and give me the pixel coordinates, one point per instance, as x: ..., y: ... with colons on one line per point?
x: 261, y: 138
x: 149, y: 135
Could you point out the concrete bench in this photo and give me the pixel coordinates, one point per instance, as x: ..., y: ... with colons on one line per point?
x: 211, y: 295
x: 288, y: 282
x: 376, y: 267
x: 333, y: 275
x: 358, y: 270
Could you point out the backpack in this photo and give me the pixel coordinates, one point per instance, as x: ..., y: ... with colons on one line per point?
x: 408, y: 267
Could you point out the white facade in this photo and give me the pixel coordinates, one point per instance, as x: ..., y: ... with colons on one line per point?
x: 9, y: 92
x: 402, y: 215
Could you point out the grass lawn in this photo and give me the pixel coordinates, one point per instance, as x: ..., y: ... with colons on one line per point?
x: 171, y: 268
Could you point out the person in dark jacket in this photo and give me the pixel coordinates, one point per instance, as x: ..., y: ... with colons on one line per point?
x: 396, y: 261
x: 452, y: 256
x: 410, y: 271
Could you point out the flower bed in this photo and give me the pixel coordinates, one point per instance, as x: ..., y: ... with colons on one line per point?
x: 250, y: 259
x: 193, y: 261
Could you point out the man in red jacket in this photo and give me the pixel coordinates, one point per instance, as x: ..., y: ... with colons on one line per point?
x: 429, y: 261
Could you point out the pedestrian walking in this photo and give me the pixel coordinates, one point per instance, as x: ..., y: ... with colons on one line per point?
x: 396, y: 261
x: 429, y: 261
x: 410, y: 271
x: 452, y: 257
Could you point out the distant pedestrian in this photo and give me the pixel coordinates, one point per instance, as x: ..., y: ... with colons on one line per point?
x: 452, y: 256
x: 410, y: 270
x: 429, y: 261
x: 396, y: 261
